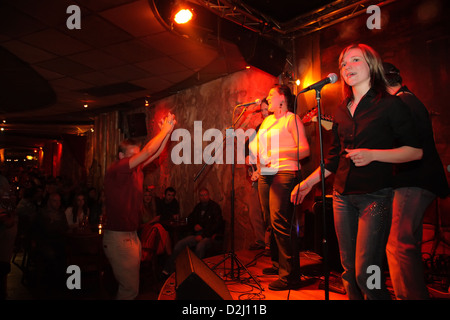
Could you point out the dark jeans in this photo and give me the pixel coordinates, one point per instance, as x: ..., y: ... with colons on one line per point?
x: 405, y: 243
x: 275, y: 192
x: 362, y: 223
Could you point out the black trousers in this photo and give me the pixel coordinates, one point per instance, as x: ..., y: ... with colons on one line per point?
x: 275, y: 193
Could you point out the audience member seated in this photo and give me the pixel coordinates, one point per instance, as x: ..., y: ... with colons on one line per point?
x: 26, y: 211
x: 149, y: 213
x: 78, y: 214
x: 38, y: 197
x: 154, y: 238
x: 204, y: 223
x: 168, y: 208
x: 95, y: 206
x: 49, y: 233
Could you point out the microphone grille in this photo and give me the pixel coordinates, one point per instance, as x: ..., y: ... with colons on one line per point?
x: 333, y: 77
x: 258, y: 101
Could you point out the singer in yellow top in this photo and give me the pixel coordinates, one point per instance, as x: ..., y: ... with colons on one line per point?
x: 281, y: 143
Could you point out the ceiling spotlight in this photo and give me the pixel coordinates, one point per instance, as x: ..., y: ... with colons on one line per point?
x: 146, y: 102
x: 85, y: 105
x: 182, y: 12
x: 183, y: 16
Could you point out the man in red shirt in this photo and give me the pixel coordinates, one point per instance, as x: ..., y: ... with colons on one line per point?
x: 123, y: 199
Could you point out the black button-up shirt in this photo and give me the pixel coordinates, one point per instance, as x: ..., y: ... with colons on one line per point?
x: 427, y: 173
x: 379, y: 122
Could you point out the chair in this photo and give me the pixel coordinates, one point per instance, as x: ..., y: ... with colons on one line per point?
x: 150, y: 254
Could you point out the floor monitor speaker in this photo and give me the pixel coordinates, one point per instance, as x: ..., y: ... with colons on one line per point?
x: 196, y: 281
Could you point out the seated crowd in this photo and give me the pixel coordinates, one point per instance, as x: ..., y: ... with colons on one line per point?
x: 47, y: 209
x: 199, y: 231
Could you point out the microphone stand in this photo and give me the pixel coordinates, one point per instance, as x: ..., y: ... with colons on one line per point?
x: 324, y: 216
x: 232, y: 255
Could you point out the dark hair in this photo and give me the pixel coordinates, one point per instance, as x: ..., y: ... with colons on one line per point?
x: 286, y: 92
x: 392, y: 74
x: 170, y: 189
x: 377, y: 80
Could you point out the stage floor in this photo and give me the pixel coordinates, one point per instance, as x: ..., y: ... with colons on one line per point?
x: 253, y: 285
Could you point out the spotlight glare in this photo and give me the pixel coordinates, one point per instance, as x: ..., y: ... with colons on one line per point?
x: 183, y: 16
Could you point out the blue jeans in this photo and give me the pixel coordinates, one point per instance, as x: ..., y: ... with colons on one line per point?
x: 362, y: 224
x: 275, y: 193
x: 200, y: 248
x: 403, y: 249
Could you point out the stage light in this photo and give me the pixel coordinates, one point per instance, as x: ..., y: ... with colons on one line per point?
x: 182, y: 12
x: 183, y: 16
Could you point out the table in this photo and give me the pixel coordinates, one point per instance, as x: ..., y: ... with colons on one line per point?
x: 177, y: 229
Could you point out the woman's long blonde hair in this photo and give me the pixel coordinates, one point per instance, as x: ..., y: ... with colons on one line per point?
x: 377, y: 79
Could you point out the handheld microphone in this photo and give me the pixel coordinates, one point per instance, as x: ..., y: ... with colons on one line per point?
x: 257, y: 101
x: 331, y: 78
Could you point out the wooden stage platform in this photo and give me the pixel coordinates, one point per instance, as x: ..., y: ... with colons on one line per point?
x: 246, y: 287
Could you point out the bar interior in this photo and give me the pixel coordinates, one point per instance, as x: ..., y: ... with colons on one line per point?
x: 79, y: 77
